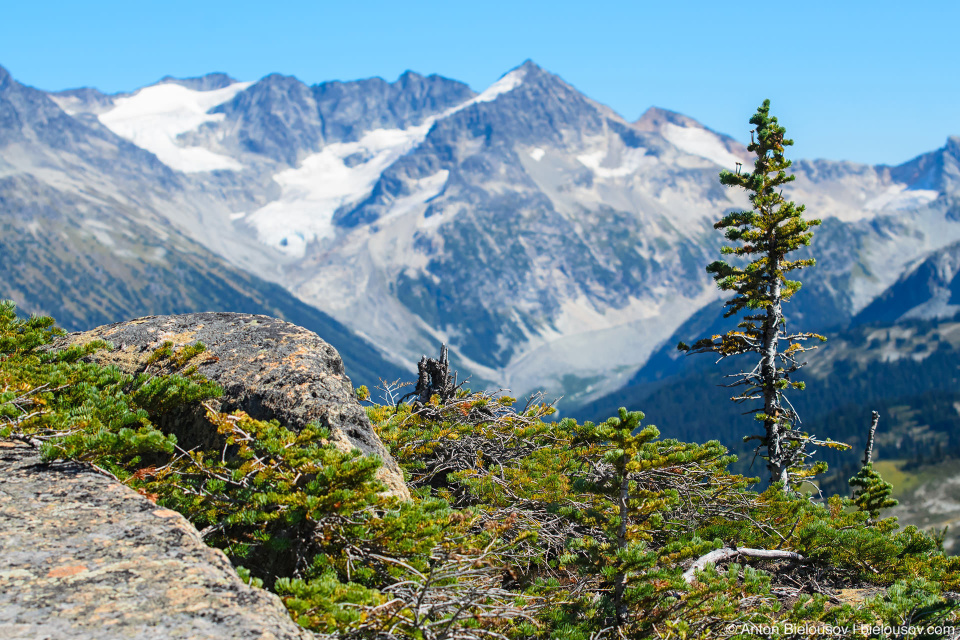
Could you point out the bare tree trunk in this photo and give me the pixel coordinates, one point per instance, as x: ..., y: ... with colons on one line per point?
x: 776, y: 458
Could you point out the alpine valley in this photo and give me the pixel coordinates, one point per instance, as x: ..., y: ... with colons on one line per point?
x: 548, y: 241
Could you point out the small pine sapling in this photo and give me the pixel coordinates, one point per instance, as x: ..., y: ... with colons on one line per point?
x: 870, y: 492
x: 637, y: 494
x: 767, y: 233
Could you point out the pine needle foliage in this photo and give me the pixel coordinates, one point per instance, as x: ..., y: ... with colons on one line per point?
x: 78, y: 410
x: 765, y: 235
x: 294, y: 512
x: 601, y: 520
x: 520, y: 528
x: 643, y: 497
x: 871, y: 493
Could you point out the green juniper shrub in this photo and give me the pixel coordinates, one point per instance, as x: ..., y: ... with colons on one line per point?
x: 79, y: 410
x: 305, y: 518
x: 520, y: 527
x: 633, y: 510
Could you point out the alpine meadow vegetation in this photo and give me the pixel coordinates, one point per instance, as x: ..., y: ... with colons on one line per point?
x: 520, y: 526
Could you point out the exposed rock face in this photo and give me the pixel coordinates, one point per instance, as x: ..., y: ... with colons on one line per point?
x: 269, y: 368
x: 83, y: 557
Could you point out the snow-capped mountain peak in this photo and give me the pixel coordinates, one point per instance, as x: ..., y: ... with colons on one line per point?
x: 508, y: 82
x: 346, y: 173
x: 342, y: 173
x: 548, y: 241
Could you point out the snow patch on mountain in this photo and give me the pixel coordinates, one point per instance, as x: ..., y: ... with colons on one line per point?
x: 507, y: 83
x: 700, y: 142
x: 598, y: 346
x: 631, y: 160
x: 581, y: 315
x: 344, y: 173
x: 100, y: 231
x: 153, y: 117
x: 326, y: 181
x: 898, y: 197
x: 938, y: 306
x: 71, y: 105
x: 891, y: 251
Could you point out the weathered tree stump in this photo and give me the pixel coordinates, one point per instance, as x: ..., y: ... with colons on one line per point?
x: 433, y: 379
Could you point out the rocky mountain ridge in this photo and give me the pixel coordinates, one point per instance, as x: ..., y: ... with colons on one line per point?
x: 86, y: 232
x: 550, y: 242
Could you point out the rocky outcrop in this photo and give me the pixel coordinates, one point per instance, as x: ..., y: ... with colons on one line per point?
x: 269, y: 368
x: 86, y: 558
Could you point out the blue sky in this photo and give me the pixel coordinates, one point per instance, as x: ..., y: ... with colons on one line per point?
x: 875, y: 82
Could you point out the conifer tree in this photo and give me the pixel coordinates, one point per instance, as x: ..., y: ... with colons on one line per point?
x: 637, y: 492
x: 766, y: 234
x: 870, y: 492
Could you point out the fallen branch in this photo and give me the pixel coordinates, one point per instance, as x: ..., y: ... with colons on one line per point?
x: 726, y: 553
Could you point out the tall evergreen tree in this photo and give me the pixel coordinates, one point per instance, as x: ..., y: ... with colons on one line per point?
x: 765, y: 235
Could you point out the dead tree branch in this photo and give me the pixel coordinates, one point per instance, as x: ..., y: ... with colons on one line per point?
x: 868, y: 450
x: 726, y: 553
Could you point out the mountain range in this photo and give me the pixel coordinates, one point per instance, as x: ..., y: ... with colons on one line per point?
x: 548, y: 241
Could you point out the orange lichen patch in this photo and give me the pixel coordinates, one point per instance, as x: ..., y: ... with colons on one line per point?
x: 165, y: 513
x: 177, y: 338
x: 302, y: 351
x: 186, y: 599
x: 7, y: 445
x: 65, y: 572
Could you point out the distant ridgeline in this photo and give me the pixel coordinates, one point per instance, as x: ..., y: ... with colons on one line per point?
x: 550, y: 242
